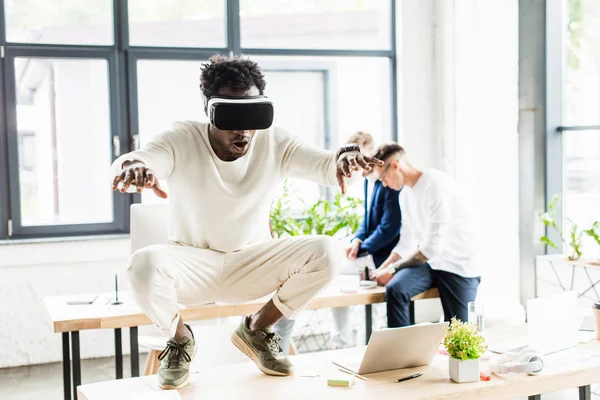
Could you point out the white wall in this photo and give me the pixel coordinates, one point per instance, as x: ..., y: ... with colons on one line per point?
x: 459, y: 102
x: 30, y: 272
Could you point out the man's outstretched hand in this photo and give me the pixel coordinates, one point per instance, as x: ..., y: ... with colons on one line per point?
x: 353, y: 161
x: 136, y: 173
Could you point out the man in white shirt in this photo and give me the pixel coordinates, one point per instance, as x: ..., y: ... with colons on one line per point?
x: 222, y: 176
x: 436, y: 247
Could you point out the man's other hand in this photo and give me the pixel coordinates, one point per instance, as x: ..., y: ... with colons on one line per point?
x: 352, y: 251
x: 353, y: 161
x: 136, y: 173
x: 382, y: 276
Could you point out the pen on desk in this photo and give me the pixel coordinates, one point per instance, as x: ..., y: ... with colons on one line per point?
x: 484, y: 377
x: 409, y: 377
x: 116, y: 289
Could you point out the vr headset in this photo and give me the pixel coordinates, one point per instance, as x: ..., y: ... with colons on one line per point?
x: 528, y: 361
x: 240, y: 113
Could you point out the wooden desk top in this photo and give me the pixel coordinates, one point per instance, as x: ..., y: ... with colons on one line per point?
x: 571, y: 368
x: 102, y: 315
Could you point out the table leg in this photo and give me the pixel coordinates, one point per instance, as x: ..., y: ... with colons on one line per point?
x: 368, y: 321
x: 535, y: 397
x: 585, y: 392
x: 76, y: 362
x: 118, y: 353
x: 135, y: 351
x: 66, y: 365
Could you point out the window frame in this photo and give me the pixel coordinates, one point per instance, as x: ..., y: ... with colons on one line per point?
x: 557, y: 13
x: 123, y: 95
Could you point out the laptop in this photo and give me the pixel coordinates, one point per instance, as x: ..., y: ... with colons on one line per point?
x: 552, y: 325
x: 397, y: 348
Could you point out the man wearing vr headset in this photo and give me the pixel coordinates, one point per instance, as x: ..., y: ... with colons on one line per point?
x: 222, y: 176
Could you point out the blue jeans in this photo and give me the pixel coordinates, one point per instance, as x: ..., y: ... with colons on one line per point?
x: 455, y: 292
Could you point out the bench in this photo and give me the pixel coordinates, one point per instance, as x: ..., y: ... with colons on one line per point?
x: 432, y: 293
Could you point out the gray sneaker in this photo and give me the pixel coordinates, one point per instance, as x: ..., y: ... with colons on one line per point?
x: 262, y: 346
x: 175, y: 359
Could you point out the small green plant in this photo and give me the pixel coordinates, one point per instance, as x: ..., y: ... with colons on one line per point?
x: 282, y: 219
x: 324, y: 217
x: 575, y: 233
x: 463, y: 341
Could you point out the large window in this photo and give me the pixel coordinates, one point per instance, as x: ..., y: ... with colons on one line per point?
x: 88, y: 81
x: 574, y: 143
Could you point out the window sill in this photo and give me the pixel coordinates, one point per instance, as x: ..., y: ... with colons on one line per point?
x: 63, y: 251
x: 63, y: 239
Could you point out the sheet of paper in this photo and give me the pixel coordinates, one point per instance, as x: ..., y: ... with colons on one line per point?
x: 162, y: 395
x: 576, y: 358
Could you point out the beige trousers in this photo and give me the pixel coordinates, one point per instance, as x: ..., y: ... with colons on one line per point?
x: 296, y: 268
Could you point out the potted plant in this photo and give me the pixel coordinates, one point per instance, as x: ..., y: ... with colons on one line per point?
x: 465, y: 346
x: 575, y: 242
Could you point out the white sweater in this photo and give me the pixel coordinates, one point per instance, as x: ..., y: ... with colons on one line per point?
x: 436, y: 220
x: 222, y: 205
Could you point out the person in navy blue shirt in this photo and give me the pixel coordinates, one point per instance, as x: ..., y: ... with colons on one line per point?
x: 374, y: 240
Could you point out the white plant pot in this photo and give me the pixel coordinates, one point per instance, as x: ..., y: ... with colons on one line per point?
x: 463, y: 371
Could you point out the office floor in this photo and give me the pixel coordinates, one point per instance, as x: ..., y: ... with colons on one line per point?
x: 45, y: 381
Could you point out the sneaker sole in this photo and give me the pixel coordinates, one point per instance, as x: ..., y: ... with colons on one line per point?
x: 244, y: 348
x: 187, y: 380
x: 170, y: 387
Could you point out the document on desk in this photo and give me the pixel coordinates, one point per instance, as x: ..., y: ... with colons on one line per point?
x: 575, y: 358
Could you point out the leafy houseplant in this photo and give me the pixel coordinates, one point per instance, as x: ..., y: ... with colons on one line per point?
x: 575, y: 233
x: 324, y: 217
x: 465, y: 346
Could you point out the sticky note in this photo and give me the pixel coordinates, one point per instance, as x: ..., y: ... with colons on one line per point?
x: 341, y: 381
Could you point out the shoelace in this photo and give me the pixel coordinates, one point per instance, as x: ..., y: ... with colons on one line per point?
x: 174, y: 353
x: 273, y: 339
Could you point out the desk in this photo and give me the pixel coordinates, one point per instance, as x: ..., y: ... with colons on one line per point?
x: 581, y: 275
x: 244, y: 380
x: 70, y: 319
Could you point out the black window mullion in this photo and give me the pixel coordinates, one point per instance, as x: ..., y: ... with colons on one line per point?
x: 120, y: 96
x: 234, y: 41
x: 4, y: 186
x: 12, y: 146
x: 317, y: 52
x: 2, y: 24
x: 167, y: 53
x: 51, y: 51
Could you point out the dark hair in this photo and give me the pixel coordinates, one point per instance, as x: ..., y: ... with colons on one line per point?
x: 237, y: 73
x: 387, y: 150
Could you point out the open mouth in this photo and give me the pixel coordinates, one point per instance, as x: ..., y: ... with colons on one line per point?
x: 240, y: 146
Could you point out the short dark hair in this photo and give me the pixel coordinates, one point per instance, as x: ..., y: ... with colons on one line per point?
x: 239, y: 74
x: 387, y: 150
